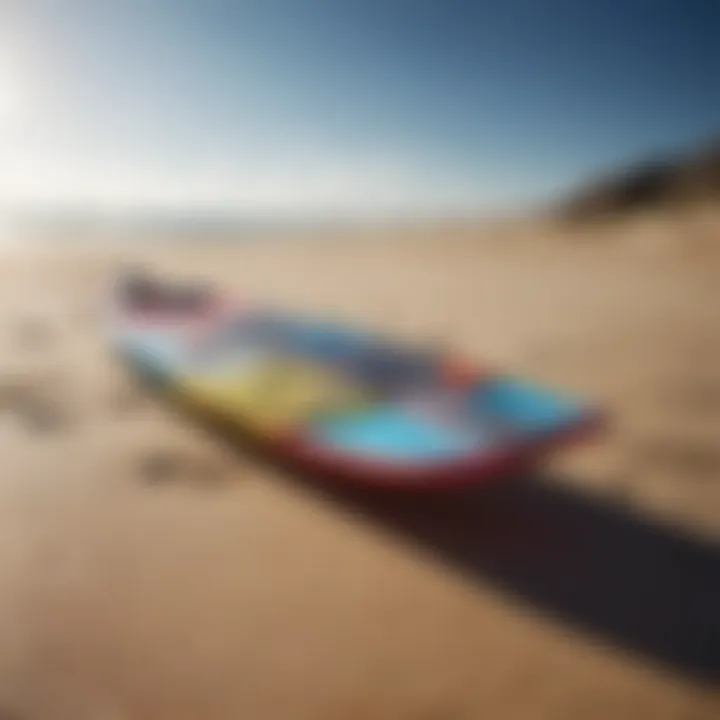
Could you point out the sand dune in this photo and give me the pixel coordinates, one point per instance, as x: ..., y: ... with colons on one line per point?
x: 148, y: 572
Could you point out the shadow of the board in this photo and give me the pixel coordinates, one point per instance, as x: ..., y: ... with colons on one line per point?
x: 619, y: 576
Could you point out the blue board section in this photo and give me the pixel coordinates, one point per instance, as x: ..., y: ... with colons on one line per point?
x: 523, y: 407
x: 328, y: 342
x: 392, y: 434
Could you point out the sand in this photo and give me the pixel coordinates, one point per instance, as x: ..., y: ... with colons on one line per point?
x: 147, y: 571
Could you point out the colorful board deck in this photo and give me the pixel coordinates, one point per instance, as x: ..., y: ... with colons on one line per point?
x: 343, y: 401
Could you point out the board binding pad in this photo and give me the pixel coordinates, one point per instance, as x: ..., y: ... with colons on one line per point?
x: 342, y: 401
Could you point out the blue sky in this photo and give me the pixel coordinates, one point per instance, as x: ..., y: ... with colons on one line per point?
x: 343, y: 107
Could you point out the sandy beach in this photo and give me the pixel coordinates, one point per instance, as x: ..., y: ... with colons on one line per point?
x: 209, y: 585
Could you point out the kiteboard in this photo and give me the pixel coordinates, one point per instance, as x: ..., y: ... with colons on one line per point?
x: 343, y: 401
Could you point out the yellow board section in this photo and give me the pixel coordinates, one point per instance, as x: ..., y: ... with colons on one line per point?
x: 274, y: 396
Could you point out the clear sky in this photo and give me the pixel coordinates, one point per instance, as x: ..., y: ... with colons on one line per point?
x: 332, y: 107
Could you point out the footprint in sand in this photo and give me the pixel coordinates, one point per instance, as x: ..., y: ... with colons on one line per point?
x: 160, y: 467
x: 36, y: 403
x: 43, y: 413
x: 126, y: 398
x: 699, y: 396
x: 12, y: 392
x: 33, y: 334
x: 689, y: 459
